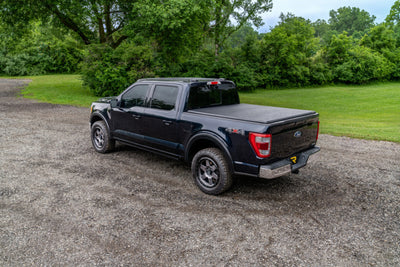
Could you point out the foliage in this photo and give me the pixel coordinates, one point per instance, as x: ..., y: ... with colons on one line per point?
x: 229, y: 16
x: 351, y: 20
x: 37, y: 53
x: 96, y: 21
x: 115, y: 42
x: 362, y: 65
x: 108, y: 71
x: 176, y: 26
x: 286, y: 52
x: 394, y: 16
x: 379, y: 38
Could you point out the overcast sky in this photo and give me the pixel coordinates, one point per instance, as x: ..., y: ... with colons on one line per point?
x: 319, y: 9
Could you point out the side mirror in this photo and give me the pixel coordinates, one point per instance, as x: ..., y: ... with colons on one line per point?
x: 114, y: 103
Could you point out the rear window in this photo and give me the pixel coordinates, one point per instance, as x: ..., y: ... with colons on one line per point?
x: 204, y: 95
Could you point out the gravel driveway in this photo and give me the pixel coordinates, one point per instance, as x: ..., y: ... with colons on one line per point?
x: 61, y: 203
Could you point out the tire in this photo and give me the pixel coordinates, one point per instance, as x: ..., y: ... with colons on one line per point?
x: 211, y: 171
x: 101, y: 139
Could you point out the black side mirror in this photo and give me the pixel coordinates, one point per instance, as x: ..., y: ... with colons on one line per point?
x: 114, y: 103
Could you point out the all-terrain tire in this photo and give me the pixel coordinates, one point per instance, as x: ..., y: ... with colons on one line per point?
x: 211, y: 171
x: 101, y: 140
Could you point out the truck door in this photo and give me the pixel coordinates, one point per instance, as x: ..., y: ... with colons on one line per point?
x: 160, y: 119
x: 128, y: 116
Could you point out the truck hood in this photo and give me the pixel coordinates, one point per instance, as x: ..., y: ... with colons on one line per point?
x: 105, y: 99
x: 254, y: 113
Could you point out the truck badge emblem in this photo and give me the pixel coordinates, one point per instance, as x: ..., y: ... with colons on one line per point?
x: 298, y: 134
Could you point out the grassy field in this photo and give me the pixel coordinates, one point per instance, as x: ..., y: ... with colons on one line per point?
x: 59, y: 89
x: 366, y: 112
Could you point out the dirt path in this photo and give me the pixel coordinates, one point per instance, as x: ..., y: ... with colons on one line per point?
x: 61, y: 203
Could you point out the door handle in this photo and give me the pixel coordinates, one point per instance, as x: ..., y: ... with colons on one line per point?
x: 166, y: 122
x: 137, y: 117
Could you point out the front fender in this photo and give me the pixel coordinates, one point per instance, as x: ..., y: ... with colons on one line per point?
x: 97, y: 116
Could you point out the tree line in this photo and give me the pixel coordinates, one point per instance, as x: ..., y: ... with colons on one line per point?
x: 112, y: 43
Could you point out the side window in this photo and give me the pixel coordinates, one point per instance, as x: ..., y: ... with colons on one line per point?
x: 135, y: 97
x: 164, y: 97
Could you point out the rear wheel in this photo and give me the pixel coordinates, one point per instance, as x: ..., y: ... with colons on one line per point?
x: 101, y: 139
x: 211, y: 171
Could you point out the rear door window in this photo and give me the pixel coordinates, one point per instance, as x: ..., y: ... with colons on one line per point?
x: 164, y: 97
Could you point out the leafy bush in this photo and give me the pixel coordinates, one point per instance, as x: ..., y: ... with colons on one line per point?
x: 108, y: 71
x: 46, y: 58
x: 287, y: 52
x: 204, y: 64
x: 363, y: 65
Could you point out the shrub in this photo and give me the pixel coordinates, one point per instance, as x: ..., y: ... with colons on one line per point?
x: 362, y: 66
x: 108, y: 71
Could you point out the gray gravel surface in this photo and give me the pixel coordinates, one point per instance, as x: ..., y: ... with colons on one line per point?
x: 61, y: 203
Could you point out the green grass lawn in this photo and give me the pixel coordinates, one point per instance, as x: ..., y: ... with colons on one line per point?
x: 367, y: 112
x: 59, y: 89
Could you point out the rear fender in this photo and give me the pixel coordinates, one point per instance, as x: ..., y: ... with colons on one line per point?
x: 207, y: 139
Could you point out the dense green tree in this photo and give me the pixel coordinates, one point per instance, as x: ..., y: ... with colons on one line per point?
x: 321, y: 28
x: 382, y: 39
x: 352, y: 63
x: 286, y: 52
x: 337, y: 51
x: 93, y: 21
x: 393, y: 21
x: 363, y: 65
x: 229, y: 16
x: 37, y: 51
x: 108, y: 71
x: 177, y: 27
x: 351, y: 20
x: 379, y: 38
x: 394, y: 16
x: 241, y: 36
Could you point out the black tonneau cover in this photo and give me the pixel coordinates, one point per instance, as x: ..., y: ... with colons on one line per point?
x: 254, y: 113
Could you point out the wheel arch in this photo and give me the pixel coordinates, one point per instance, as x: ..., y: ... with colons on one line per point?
x: 205, y: 140
x: 96, y: 116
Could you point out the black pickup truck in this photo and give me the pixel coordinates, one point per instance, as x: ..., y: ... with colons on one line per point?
x: 202, y: 122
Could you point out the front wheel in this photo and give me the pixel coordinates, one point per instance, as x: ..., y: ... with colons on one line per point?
x: 101, y: 139
x: 211, y: 171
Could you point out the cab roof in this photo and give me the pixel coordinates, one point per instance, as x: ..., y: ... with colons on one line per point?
x: 182, y: 79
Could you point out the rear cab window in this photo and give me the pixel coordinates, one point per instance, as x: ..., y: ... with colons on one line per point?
x: 205, y: 95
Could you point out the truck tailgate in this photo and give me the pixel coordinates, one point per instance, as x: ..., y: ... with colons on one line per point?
x: 290, y: 138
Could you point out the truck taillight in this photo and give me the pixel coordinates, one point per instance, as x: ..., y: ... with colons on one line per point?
x: 317, y: 132
x: 261, y: 144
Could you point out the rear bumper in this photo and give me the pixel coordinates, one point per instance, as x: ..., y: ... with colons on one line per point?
x: 285, y: 166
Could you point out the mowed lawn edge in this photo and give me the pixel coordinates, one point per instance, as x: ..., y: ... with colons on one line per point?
x: 63, y: 89
x: 364, y: 112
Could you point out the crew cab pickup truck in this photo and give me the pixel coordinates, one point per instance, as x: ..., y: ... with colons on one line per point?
x: 201, y: 121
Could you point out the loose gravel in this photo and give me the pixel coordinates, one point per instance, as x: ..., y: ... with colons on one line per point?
x: 61, y: 203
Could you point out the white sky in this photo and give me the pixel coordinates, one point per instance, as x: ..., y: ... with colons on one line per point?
x: 319, y: 9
